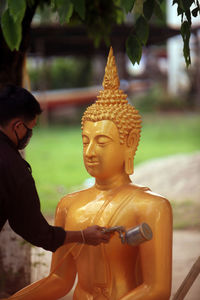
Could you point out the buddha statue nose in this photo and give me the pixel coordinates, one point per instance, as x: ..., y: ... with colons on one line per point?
x: 90, y: 151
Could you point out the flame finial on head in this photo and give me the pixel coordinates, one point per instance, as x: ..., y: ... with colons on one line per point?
x: 111, y: 92
x: 111, y: 79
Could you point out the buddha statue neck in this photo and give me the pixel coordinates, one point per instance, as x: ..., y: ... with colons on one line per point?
x: 112, y: 183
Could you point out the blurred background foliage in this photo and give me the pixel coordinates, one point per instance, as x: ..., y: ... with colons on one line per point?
x: 157, y: 99
x: 56, y: 73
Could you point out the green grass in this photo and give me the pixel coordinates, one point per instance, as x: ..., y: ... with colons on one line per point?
x: 55, y: 153
x: 168, y: 134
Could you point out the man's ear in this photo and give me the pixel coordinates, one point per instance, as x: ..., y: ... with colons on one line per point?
x: 15, y: 123
x: 131, y: 147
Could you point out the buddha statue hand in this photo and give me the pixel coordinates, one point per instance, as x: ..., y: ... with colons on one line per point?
x: 95, y: 235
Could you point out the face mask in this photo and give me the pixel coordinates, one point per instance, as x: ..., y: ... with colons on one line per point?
x: 22, y: 143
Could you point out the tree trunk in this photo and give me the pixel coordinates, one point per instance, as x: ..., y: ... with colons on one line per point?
x: 12, y: 62
x: 15, y: 263
x: 15, y: 259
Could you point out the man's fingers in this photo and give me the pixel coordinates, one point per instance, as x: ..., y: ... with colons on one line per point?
x: 95, y: 235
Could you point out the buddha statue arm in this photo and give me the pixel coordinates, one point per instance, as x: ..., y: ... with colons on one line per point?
x: 155, y: 255
x: 62, y: 276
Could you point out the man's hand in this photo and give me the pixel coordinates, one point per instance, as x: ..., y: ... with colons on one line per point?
x: 94, y: 235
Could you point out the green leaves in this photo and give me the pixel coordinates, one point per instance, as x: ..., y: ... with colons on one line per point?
x: 195, y: 12
x: 12, y: 31
x: 65, y: 10
x: 158, y: 11
x: 185, y: 4
x: 2, y: 6
x: 187, y: 9
x: 79, y: 6
x: 128, y: 5
x: 133, y: 49
x: 137, y: 39
x: 142, y: 30
x: 100, y: 16
x: 139, y: 36
x: 148, y: 8
x: 11, y: 23
x: 185, y: 32
x: 17, y: 9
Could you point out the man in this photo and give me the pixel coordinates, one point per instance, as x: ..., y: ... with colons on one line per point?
x: 19, y: 202
x: 114, y: 271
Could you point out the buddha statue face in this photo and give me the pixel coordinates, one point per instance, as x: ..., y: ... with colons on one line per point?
x: 104, y: 156
x: 111, y: 128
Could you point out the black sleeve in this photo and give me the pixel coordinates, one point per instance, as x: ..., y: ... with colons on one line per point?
x: 26, y: 219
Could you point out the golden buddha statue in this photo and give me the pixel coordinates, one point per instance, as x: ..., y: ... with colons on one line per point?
x: 113, y: 271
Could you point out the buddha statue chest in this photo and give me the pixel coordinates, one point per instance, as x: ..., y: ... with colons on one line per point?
x: 102, y: 267
x: 103, y: 209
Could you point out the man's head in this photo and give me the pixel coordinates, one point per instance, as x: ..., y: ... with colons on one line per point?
x: 18, y: 113
x: 112, y: 105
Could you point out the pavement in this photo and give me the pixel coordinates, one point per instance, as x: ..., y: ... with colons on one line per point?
x: 186, y: 250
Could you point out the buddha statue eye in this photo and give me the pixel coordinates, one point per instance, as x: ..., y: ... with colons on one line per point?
x: 85, y: 140
x: 103, y: 140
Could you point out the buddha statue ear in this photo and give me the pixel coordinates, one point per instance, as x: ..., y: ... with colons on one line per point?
x: 131, y: 147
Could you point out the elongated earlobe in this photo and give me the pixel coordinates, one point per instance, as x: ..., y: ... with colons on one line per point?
x: 129, y: 165
x: 131, y: 144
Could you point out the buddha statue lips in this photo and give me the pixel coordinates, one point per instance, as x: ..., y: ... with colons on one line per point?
x: 92, y: 163
x: 110, y: 134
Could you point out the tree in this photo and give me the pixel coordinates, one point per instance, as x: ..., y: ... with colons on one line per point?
x: 98, y: 16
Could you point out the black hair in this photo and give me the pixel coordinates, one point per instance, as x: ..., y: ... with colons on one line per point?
x: 17, y: 102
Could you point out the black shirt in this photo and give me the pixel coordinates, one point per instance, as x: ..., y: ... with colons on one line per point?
x: 19, y: 201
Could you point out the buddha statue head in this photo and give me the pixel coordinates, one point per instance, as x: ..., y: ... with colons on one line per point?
x: 112, y: 125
